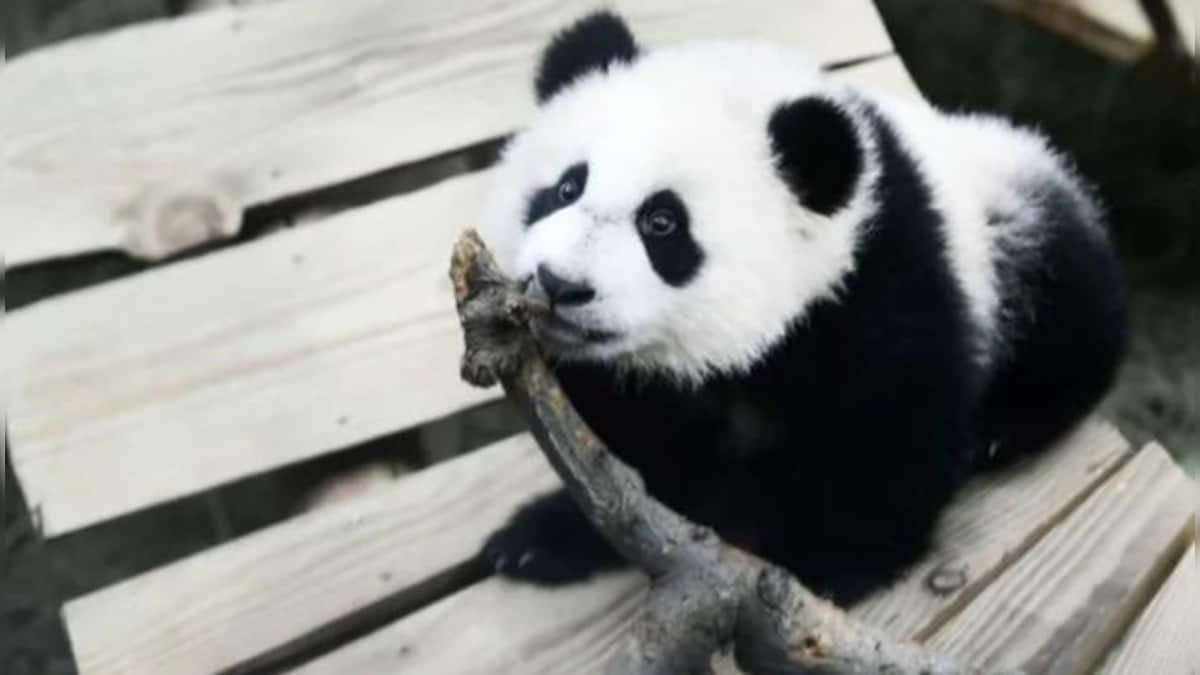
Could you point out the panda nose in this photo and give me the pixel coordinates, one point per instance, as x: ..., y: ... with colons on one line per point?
x: 563, y: 291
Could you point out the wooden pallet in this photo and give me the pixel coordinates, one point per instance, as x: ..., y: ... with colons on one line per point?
x: 197, y: 373
x: 1124, y: 30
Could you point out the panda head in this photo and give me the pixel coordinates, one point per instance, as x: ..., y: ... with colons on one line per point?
x: 679, y: 209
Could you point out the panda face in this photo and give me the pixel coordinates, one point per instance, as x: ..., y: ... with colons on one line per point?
x: 648, y: 205
x: 611, y: 270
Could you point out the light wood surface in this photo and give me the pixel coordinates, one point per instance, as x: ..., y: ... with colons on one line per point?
x: 155, y: 138
x: 991, y: 524
x: 501, y: 627
x: 511, y: 628
x: 1063, y: 604
x: 1166, y: 637
x: 251, y: 358
x: 232, y: 603
x: 163, y: 384
x: 1187, y: 17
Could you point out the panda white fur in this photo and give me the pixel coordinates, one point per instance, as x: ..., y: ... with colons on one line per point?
x: 804, y: 312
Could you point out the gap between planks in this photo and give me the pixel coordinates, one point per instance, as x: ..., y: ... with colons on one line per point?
x: 247, y: 105
x: 269, y: 591
x: 240, y: 362
x: 917, y: 611
x: 1058, y: 609
x: 1163, y: 640
x: 497, y: 626
x: 251, y: 358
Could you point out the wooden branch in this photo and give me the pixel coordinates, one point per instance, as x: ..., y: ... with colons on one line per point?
x: 706, y: 595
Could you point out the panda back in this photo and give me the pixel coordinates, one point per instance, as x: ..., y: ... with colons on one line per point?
x: 1001, y: 190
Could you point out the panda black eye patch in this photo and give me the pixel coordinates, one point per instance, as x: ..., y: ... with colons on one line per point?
x: 663, y: 224
x: 566, y: 191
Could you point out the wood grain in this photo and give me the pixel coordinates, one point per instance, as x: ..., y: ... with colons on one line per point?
x: 251, y: 358
x: 516, y: 629
x: 163, y: 384
x: 1187, y: 17
x: 155, y: 138
x: 501, y: 627
x: 1058, y: 609
x: 991, y: 524
x: 234, y: 602
x: 1164, y: 639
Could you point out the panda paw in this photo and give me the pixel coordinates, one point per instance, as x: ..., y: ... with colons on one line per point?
x: 516, y: 553
x: 548, y: 542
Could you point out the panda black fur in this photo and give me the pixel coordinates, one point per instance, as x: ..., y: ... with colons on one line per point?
x: 804, y: 313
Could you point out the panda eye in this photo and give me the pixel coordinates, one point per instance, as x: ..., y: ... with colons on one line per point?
x: 568, y: 189
x: 660, y: 223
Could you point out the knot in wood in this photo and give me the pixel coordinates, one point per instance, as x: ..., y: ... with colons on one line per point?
x: 947, y: 578
x: 189, y: 219
x: 167, y: 220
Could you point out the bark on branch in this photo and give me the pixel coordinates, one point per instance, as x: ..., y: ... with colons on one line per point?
x: 705, y: 595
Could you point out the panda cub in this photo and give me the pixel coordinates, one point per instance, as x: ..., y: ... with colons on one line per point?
x: 804, y: 313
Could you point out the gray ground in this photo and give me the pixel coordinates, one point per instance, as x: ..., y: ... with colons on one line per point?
x: 1134, y: 131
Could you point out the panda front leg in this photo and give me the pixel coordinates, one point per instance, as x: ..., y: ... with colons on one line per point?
x: 871, y: 524
x: 549, y: 541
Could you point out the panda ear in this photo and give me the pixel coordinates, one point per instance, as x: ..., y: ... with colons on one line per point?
x: 817, y: 152
x: 594, y: 42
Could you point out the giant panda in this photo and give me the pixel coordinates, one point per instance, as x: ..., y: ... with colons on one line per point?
x: 805, y: 313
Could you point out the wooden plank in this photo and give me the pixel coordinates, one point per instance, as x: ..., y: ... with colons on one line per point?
x: 511, y: 628
x: 1164, y: 638
x: 1187, y: 17
x: 1116, y: 28
x: 239, y: 362
x: 1060, y: 607
x: 1120, y: 29
x: 1123, y: 16
x: 248, y: 359
x: 230, y: 604
x: 156, y: 138
x: 500, y: 627
x: 991, y: 524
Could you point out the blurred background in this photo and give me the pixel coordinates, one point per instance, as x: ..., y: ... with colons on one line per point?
x: 1120, y: 92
